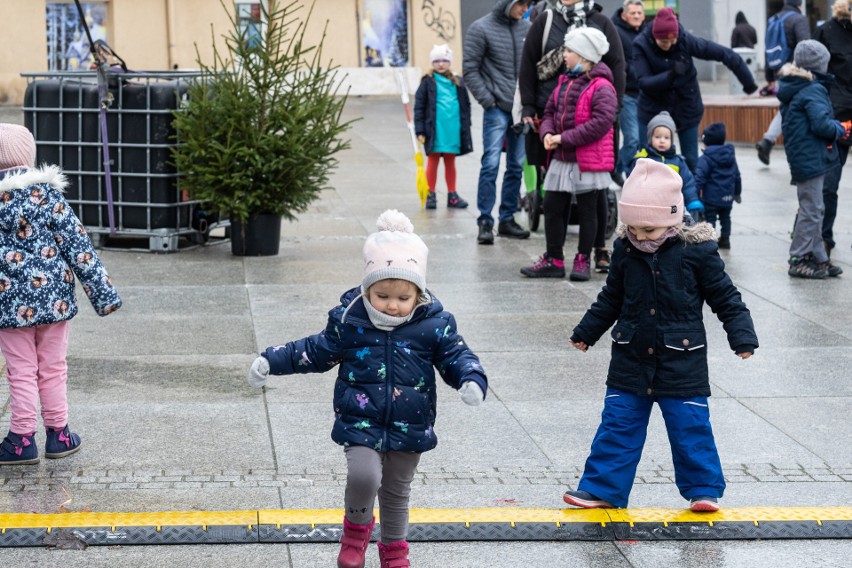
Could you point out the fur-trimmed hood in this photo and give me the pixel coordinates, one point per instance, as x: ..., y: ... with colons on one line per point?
x: 692, y: 234
x: 793, y: 70
x: 25, y: 177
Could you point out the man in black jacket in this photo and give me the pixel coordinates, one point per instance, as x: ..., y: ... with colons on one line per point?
x: 629, y: 21
x: 836, y: 35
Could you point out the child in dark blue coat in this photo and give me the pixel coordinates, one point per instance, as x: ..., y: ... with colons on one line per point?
x: 660, y: 148
x: 718, y: 180
x: 442, y: 123
x: 662, y: 273
x: 386, y: 338
x: 810, y: 142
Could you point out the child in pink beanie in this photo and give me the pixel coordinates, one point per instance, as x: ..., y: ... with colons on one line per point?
x: 662, y: 273
x: 386, y: 337
x: 43, y: 247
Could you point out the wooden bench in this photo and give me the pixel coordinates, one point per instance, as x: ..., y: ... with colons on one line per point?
x: 746, y: 118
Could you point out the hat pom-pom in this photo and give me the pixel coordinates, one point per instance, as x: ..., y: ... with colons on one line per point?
x: 393, y: 220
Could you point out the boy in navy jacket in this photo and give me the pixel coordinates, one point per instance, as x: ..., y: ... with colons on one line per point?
x: 718, y: 180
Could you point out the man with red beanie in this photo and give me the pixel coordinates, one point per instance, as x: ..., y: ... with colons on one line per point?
x: 668, y: 79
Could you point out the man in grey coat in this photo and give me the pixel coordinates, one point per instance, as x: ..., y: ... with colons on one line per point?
x: 492, y: 57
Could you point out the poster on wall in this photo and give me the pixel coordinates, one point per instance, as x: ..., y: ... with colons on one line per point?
x: 67, y: 44
x: 384, y: 33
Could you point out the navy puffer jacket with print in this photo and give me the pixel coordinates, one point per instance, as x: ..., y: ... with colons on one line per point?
x: 385, y: 395
x: 43, y: 247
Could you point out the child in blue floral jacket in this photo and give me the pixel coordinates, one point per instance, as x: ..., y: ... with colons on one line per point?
x: 386, y: 337
x: 42, y: 248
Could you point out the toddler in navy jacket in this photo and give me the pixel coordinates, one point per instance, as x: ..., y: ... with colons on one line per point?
x: 718, y: 180
x: 386, y: 338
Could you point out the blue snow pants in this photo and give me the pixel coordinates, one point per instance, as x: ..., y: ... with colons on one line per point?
x: 617, y: 447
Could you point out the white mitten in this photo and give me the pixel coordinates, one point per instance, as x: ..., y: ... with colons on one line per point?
x: 471, y: 393
x: 258, y: 372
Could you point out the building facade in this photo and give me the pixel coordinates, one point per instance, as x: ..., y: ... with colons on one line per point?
x: 368, y: 39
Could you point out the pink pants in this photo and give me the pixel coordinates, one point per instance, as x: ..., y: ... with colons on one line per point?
x: 36, y: 369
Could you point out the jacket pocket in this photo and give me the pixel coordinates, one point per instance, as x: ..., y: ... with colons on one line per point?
x: 685, y: 340
x: 622, y: 334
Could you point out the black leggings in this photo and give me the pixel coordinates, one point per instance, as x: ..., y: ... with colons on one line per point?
x: 557, y: 212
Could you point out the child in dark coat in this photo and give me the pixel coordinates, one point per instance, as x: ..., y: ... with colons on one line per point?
x: 660, y: 148
x: 442, y: 123
x: 662, y: 274
x: 718, y: 180
x: 810, y: 142
x: 386, y: 338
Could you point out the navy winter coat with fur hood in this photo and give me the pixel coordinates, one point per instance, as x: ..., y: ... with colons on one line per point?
x: 385, y: 395
x: 656, y: 301
x: 44, y: 246
x: 807, y: 121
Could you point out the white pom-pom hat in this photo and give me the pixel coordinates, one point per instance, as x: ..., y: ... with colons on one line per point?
x: 394, y: 252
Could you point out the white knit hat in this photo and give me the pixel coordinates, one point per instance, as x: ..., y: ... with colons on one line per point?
x: 394, y: 252
x: 17, y: 147
x: 441, y: 52
x: 588, y: 43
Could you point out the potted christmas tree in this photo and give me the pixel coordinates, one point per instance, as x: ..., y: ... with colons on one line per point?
x: 257, y: 136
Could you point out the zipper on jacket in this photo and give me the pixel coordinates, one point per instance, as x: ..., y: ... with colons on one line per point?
x: 389, y: 393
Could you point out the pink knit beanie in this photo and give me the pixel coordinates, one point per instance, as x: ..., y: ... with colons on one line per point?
x: 651, y: 196
x: 17, y: 147
x: 394, y: 252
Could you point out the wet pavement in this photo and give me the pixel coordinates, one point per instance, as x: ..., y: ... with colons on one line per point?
x: 158, y: 390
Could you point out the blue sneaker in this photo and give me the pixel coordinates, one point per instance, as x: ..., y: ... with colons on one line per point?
x: 18, y: 449
x: 704, y: 504
x: 585, y: 500
x: 60, y: 442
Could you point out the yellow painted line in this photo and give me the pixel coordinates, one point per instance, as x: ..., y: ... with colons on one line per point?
x: 113, y: 520
x: 509, y: 515
x: 749, y: 514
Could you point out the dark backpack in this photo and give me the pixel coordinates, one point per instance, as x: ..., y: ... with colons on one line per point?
x: 777, y: 50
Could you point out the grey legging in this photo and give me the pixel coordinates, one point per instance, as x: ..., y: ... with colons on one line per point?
x: 388, y: 475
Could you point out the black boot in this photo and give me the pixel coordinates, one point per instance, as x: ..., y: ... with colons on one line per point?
x: 763, y: 149
x: 486, y: 233
x: 512, y: 230
x: 724, y: 242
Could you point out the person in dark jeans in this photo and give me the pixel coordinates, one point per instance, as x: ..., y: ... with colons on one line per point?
x: 836, y: 36
x: 492, y: 57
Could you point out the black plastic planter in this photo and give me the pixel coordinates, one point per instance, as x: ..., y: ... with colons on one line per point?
x: 259, y: 236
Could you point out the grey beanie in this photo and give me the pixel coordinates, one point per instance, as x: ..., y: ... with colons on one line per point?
x: 811, y: 55
x: 662, y: 119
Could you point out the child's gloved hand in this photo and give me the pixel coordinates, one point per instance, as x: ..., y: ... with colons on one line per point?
x: 696, y: 209
x: 258, y: 372
x: 471, y: 393
x: 738, y: 198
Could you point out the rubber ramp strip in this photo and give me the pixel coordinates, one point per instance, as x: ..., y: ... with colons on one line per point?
x: 486, y: 524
